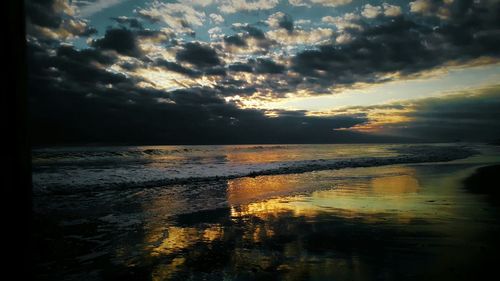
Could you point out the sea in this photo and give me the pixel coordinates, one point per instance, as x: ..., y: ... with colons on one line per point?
x: 82, y: 168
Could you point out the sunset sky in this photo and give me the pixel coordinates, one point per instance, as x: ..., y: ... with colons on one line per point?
x: 262, y: 71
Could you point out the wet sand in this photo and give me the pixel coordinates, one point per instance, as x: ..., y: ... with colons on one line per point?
x: 397, y: 222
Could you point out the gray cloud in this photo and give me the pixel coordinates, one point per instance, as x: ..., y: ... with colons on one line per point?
x: 471, y: 116
x: 198, y: 54
x: 121, y: 40
x: 404, y: 45
x: 74, y: 100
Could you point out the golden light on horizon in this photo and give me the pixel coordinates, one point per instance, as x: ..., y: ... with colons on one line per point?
x: 379, y: 119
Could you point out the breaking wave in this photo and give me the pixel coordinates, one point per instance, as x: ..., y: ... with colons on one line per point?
x: 73, y: 171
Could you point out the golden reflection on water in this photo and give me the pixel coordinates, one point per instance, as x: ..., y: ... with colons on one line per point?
x: 179, y: 238
x: 395, y: 184
x: 253, y: 157
x: 265, y: 208
x: 389, y: 192
x: 261, y: 197
x: 244, y: 190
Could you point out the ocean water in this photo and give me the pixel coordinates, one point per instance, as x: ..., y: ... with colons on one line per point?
x: 74, y: 168
x: 270, y: 212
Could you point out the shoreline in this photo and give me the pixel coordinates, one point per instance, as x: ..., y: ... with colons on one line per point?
x: 417, y: 154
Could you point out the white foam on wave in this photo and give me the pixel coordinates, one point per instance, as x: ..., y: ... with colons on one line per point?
x: 72, y: 177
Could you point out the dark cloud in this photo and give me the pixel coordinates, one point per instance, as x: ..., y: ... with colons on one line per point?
x: 247, y: 32
x: 260, y: 65
x: 229, y: 86
x: 217, y: 71
x: 404, y: 45
x: 470, y: 116
x: 286, y: 22
x: 44, y: 13
x: 268, y: 66
x: 394, y: 46
x: 198, y: 55
x: 130, y: 66
x: 74, y: 97
x: 51, y: 20
x: 121, y: 40
x: 235, y: 40
x: 193, y: 73
x: 240, y: 67
x: 88, y: 31
x: 85, y: 55
x: 251, y: 31
x: 74, y: 100
x: 177, y: 68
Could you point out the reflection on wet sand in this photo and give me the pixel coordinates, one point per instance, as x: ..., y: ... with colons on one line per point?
x: 390, y: 192
x: 350, y: 224
x: 401, y: 222
x: 395, y: 184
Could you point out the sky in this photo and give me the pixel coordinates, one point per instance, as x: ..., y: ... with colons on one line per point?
x: 262, y: 71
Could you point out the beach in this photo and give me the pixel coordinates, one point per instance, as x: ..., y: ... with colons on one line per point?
x: 318, y: 212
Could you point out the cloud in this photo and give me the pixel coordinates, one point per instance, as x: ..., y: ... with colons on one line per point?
x: 421, y: 6
x: 443, y: 9
x: 326, y: 3
x: 241, y: 67
x: 198, y: 54
x: 348, y: 21
x: 300, y: 36
x: 132, y: 22
x: 88, y: 8
x: 385, y: 9
x: 280, y: 20
x: 299, y: 3
x: 331, y: 3
x: 74, y: 99
x: 46, y: 13
x: 216, y: 18
x: 172, y: 66
x: 268, y: 66
x: 54, y: 20
x: 233, y: 6
x: 469, y: 115
x: 391, y: 10
x: 249, y: 39
x: 121, y: 40
x: 398, y: 46
x: 251, y: 31
x: 371, y: 12
x: 175, y: 15
x: 162, y: 85
x: 235, y: 40
x: 201, y: 3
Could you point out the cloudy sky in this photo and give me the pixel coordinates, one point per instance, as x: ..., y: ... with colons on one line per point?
x: 262, y: 71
